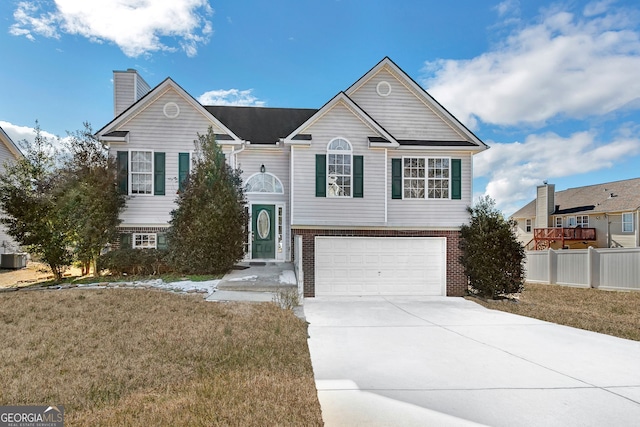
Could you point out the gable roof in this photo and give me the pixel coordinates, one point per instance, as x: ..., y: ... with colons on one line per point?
x: 166, y: 84
x: 260, y: 125
x: 617, y: 196
x: 472, y: 141
x: 385, y: 138
x: 11, y: 146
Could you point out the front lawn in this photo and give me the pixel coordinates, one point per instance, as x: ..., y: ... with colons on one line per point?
x: 146, y: 357
x: 609, y: 312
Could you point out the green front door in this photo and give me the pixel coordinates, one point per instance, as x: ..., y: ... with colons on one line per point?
x: 263, y: 223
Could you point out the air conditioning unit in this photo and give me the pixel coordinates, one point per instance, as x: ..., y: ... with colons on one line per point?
x: 13, y: 261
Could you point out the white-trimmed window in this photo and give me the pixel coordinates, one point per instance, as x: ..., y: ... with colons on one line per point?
x: 426, y: 177
x: 144, y: 241
x: 528, y: 225
x: 264, y: 182
x: 339, y: 168
x: 558, y: 222
x: 141, y: 172
x: 627, y: 222
x: 582, y: 221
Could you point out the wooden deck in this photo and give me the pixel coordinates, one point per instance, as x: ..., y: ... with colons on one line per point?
x: 543, y: 237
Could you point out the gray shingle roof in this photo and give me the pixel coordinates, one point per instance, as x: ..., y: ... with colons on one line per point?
x: 261, y: 125
x: 617, y: 196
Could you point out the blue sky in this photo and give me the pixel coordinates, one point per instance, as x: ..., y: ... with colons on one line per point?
x: 552, y: 87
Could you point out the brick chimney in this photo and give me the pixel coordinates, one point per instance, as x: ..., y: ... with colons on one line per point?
x: 128, y: 87
x: 545, y: 205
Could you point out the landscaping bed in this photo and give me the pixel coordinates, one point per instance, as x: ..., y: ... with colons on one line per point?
x: 148, y: 357
x: 609, y: 312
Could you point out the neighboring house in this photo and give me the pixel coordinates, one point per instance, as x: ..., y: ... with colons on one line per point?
x: 601, y: 216
x: 9, y: 152
x: 375, y: 184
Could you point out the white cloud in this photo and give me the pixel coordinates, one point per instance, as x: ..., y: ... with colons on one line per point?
x: 230, y: 97
x: 515, y: 169
x: 566, y: 65
x: 137, y: 27
x: 19, y: 134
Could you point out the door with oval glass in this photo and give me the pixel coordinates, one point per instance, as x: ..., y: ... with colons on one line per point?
x: 263, y: 234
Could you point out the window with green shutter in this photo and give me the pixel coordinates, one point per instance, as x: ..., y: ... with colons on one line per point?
x: 396, y: 178
x: 183, y: 169
x: 358, y: 176
x: 321, y: 175
x: 125, y: 241
x: 122, y: 160
x: 158, y: 174
x: 456, y: 179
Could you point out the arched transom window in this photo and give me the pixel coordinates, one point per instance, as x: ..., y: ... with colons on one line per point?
x: 339, y: 168
x: 264, y: 182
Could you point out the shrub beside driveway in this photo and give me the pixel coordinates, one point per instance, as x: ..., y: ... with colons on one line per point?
x: 144, y: 357
x: 609, y: 312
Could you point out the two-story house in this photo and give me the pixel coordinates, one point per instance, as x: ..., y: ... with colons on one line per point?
x: 602, y: 216
x: 374, y: 185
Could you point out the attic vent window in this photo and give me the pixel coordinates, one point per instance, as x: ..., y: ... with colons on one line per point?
x: 383, y: 88
x: 171, y: 110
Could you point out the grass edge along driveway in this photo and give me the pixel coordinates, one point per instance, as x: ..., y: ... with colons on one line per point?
x: 614, y: 313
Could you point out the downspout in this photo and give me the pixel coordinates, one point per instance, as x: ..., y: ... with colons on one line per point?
x: 606, y: 217
x: 233, y: 155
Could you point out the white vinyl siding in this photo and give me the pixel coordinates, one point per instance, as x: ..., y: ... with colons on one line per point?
x: 7, y: 244
x: 150, y: 128
x: 432, y: 213
x: 339, y: 211
x: 276, y: 162
x: 403, y: 114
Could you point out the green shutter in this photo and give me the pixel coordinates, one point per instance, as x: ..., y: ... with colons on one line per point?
x: 125, y: 241
x: 123, y: 171
x: 321, y: 175
x: 396, y: 178
x: 161, y: 241
x: 358, y: 176
x: 183, y: 169
x: 158, y: 174
x: 456, y: 179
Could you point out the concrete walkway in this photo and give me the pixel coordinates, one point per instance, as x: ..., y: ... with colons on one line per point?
x: 257, y: 282
x: 447, y: 361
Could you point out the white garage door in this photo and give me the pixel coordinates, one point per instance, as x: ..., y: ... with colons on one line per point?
x: 380, y: 266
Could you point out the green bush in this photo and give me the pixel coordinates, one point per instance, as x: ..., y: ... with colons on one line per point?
x: 137, y: 262
x: 207, y: 233
x: 491, y: 255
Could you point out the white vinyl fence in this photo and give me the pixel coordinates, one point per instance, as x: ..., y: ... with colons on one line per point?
x: 616, y: 268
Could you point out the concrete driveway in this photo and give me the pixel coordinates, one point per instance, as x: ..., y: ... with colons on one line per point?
x: 401, y: 361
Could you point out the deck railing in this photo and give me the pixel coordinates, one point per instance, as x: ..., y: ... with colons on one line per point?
x: 577, y: 233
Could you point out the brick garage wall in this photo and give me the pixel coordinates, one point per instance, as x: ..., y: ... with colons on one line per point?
x: 456, y: 279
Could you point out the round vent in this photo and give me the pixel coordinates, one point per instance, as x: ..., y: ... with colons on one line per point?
x: 383, y: 88
x: 171, y: 110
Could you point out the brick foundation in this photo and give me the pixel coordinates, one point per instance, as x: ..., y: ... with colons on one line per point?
x: 456, y: 279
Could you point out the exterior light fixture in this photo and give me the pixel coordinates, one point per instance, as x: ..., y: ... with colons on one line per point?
x: 262, y: 169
